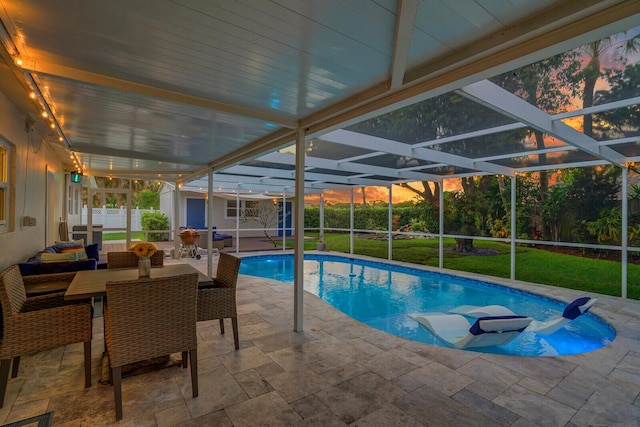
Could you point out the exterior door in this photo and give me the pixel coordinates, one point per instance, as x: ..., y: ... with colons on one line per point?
x: 286, y: 224
x: 196, y: 213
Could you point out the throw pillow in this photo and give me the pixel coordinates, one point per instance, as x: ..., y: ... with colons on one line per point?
x: 93, y: 251
x: 73, y: 246
x: 63, y: 257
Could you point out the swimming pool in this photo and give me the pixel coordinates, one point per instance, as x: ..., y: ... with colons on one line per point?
x: 383, y: 295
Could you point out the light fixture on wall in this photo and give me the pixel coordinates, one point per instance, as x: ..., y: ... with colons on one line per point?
x: 76, y: 177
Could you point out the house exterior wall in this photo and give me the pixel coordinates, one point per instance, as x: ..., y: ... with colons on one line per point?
x: 223, y: 224
x: 38, y: 189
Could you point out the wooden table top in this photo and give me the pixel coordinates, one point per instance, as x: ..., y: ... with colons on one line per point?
x: 93, y: 283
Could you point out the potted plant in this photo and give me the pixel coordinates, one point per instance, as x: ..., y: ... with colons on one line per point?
x: 320, y: 245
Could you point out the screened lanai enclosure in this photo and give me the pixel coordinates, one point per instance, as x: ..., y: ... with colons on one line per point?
x: 539, y: 156
x: 469, y: 127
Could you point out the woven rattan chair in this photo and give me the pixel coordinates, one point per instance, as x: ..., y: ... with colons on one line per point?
x: 40, y: 284
x: 38, y: 323
x: 130, y: 260
x: 149, y: 318
x: 219, y: 301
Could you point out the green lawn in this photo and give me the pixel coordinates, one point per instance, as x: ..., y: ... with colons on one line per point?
x: 532, y: 265
x: 139, y: 235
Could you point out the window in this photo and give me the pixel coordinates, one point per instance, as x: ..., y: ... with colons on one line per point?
x: 74, y: 198
x: 5, y: 186
x: 248, y: 208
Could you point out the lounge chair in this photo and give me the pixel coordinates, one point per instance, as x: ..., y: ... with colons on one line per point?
x: 456, y: 330
x: 573, y: 310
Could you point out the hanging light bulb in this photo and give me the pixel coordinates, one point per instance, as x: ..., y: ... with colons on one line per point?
x: 32, y: 95
x: 45, y: 114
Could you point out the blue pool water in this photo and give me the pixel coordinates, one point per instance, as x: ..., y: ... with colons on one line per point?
x: 382, y: 295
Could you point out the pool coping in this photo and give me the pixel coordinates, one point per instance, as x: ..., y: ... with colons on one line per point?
x: 622, y: 314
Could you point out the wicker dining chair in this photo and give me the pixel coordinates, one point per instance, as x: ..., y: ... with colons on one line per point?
x: 148, y: 318
x: 129, y: 259
x: 32, y: 324
x: 219, y: 300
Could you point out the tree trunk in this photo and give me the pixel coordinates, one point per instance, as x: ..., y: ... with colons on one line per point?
x: 464, y: 246
x: 270, y: 239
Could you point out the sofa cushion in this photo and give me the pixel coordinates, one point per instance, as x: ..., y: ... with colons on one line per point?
x: 31, y: 268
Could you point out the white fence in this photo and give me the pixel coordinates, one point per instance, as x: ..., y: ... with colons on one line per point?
x: 115, y: 217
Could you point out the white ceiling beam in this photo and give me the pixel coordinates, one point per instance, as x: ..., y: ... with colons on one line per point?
x: 353, y: 167
x: 528, y: 153
x: 504, y: 102
x: 155, y: 156
x: 66, y: 72
x: 563, y: 166
x: 375, y: 143
x: 405, y: 21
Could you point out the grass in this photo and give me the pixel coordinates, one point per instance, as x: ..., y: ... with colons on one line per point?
x: 532, y: 265
x: 139, y: 235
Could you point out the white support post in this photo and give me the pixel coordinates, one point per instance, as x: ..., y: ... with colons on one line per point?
x: 176, y: 221
x: 128, y: 215
x: 298, y: 255
x: 89, y: 236
x: 513, y: 227
x: 237, y: 221
x: 351, y: 222
x: 283, y: 215
x: 321, y: 232
x: 390, y: 224
x: 210, y: 223
x: 441, y: 226
x: 625, y: 231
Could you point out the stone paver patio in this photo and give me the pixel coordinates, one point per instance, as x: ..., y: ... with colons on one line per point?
x: 340, y: 372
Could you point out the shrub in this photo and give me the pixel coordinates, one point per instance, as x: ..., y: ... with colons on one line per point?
x: 155, y: 221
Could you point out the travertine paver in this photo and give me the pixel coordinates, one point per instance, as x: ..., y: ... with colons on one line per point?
x: 341, y: 372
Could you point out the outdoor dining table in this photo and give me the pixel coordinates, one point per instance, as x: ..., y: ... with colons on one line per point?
x: 93, y: 283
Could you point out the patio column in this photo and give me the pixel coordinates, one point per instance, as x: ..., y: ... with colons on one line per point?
x: 321, y: 231
x: 176, y: 221
x: 238, y: 221
x: 89, y: 237
x: 210, y: 223
x: 390, y: 224
x: 351, y: 222
x: 441, y: 225
x: 298, y: 254
x: 624, y: 232
x: 513, y: 227
x: 128, y: 215
x: 284, y: 221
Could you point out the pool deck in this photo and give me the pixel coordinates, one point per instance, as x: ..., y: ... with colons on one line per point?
x: 340, y: 372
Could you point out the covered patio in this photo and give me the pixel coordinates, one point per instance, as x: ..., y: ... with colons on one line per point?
x: 275, y: 98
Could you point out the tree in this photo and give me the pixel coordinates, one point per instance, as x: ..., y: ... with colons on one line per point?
x: 548, y: 85
x: 268, y: 214
x: 117, y: 200
x: 146, y: 199
x: 442, y: 116
x: 592, y: 71
x: 619, y: 122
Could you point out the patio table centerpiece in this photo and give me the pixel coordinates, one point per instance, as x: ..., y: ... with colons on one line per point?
x: 144, y: 251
